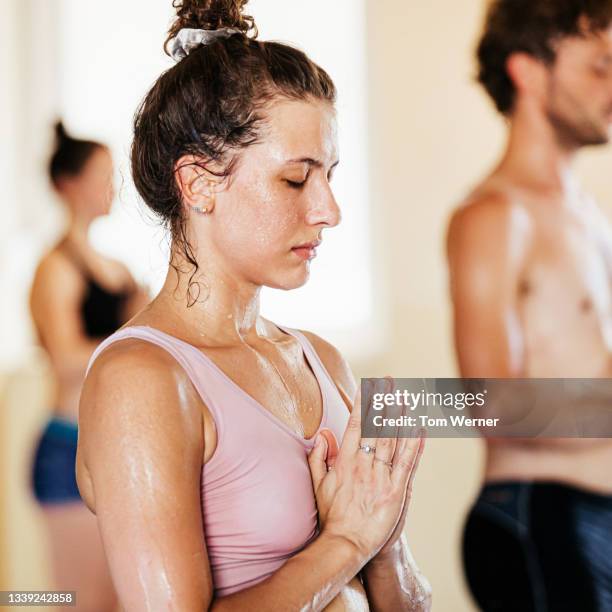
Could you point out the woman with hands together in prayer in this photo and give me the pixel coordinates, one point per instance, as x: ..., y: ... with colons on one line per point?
x: 198, y: 417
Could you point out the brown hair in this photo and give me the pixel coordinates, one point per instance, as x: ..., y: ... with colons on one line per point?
x: 69, y: 155
x: 531, y: 26
x: 211, y: 104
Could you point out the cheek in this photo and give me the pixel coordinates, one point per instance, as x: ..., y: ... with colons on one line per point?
x: 592, y: 88
x: 264, y: 221
x: 100, y: 193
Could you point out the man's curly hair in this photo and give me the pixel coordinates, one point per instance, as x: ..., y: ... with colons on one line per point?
x: 531, y: 26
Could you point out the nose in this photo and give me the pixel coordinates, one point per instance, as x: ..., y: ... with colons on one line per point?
x: 324, y: 209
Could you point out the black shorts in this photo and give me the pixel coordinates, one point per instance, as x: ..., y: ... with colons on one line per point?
x: 539, y: 546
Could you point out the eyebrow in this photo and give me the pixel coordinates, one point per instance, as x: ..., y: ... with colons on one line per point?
x: 311, y: 162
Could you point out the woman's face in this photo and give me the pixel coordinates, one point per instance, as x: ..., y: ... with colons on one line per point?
x: 92, y: 191
x: 269, y: 216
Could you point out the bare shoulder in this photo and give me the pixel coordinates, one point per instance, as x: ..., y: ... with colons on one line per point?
x: 336, y: 365
x: 54, y: 267
x: 487, y: 219
x: 484, y: 210
x: 133, y: 367
x: 135, y: 387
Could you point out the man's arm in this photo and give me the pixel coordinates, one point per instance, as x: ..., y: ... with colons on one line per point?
x: 487, y: 246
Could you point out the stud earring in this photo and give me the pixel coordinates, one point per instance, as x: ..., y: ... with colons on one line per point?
x: 206, y: 210
x: 200, y: 211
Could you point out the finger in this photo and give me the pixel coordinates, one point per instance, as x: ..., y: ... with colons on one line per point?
x: 423, y: 435
x: 408, y: 491
x: 316, y: 461
x: 352, y: 433
x: 390, y: 383
x: 404, y: 460
x: 383, y: 461
x: 385, y: 444
x: 392, y: 432
x: 332, y: 447
x: 376, y: 387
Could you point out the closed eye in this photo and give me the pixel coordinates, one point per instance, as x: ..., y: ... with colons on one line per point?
x: 295, y: 184
x: 332, y: 170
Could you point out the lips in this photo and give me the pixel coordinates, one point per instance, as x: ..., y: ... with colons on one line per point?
x: 307, y: 251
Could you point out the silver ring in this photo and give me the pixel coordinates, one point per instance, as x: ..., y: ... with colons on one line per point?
x: 366, y: 448
x: 389, y: 464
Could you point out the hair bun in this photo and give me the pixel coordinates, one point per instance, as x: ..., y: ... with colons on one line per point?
x: 60, y: 131
x: 211, y: 15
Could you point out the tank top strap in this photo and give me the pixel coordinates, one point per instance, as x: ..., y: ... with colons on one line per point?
x: 313, y: 357
x: 214, y: 387
x: 169, y: 343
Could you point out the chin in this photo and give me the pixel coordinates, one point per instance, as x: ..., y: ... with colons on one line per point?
x: 602, y: 138
x: 289, y: 281
x: 599, y: 134
x: 605, y: 135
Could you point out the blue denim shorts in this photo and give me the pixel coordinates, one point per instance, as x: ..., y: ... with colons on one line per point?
x: 53, y: 468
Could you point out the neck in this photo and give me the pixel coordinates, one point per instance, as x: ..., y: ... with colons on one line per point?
x: 225, y: 312
x: 78, y: 230
x: 535, y: 152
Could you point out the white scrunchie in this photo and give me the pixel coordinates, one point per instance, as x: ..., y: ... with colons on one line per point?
x: 189, y: 38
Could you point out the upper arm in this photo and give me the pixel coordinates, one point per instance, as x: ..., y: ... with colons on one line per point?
x: 140, y: 451
x: 486, y: 246
x: 55, y: 299
x: 337, y: 366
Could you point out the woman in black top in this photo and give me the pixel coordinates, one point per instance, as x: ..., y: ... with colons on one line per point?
x: 78, y: 297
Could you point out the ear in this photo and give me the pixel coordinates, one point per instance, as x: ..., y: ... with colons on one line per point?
x: 65, y: 185
x: 198, y: 186
x: 528, y: 74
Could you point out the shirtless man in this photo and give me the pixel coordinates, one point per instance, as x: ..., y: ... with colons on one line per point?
x: 530, y: 260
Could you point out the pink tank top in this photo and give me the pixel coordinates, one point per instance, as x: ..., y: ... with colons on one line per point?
x: 256, y: 490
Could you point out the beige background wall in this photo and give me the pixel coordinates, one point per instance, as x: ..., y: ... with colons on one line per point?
x: 432, y: 134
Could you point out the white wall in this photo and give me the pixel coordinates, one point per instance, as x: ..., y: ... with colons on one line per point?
x: 28, y: 66
x: 112, y: 53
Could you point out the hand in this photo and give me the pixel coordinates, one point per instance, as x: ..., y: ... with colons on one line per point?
x: 399, y: 528
x: 361, y: 499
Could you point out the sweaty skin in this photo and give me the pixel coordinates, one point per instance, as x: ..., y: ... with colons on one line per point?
x: 530, y: 258
x: 145, y: 432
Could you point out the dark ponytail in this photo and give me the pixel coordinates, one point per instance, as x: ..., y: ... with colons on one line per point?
x: 70, y: 154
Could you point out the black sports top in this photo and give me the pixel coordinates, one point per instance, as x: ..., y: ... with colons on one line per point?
x: 102, y: 310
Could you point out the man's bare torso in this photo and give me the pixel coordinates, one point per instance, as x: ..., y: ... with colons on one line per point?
x: 564, y: 308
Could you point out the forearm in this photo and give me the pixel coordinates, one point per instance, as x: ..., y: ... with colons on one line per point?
x: 394, y: 582
x: 307, y: 582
